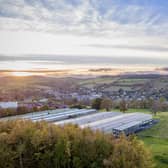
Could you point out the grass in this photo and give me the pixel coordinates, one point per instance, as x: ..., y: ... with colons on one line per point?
x: 138, y: 110
x: 156, y: 138
x: 134, y: 110
x: 159, y: 149
x: 90, y: 83
x: 132, y: 81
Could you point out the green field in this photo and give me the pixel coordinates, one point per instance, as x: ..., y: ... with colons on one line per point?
x: 90, y: 83
x: 115, y: 83
x: 156, y: 138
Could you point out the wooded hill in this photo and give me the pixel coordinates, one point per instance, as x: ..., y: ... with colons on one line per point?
x: 24, y: 144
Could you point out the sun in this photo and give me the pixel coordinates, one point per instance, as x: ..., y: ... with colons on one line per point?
x: 21, y: 74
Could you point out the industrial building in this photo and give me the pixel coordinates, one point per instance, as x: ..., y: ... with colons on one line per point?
x: 107, y: 122
x: 53, y: 115
x: 127, y: 123
x: 57, y: 116
x: 89, y: 118
x: 113, y: 122
x: 5, y: 105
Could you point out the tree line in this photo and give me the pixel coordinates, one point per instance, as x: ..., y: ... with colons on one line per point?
x: 21, y: 110
x: 106, y: 103
x: 25, y: 144
x: 160, y: 105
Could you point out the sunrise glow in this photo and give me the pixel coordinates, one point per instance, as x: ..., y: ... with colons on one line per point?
x: 22, y: 74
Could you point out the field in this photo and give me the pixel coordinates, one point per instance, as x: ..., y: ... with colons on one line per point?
x: 90, y: 83
x: 156, y: 138
x: 127, y: 83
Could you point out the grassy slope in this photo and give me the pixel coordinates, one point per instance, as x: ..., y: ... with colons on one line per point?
x: 157, y: 139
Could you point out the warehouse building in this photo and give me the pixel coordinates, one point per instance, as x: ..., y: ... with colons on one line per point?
x: 112, y: 122
x: 5, y: 105
x: 107, y: 122
x: 126, y: 123
x: 89, y: 118
x: 53, y: 115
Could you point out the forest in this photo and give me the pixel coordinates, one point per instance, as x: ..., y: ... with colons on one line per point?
x: 25, y: 144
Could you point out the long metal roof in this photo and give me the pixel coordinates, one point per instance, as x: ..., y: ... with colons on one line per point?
x: 128, y: 125
x: 44, y: 113
x: 89, y: 118
x: 53, y: 115
x: 103, y: 121
x: 122, y: 122
x: 65, y: 115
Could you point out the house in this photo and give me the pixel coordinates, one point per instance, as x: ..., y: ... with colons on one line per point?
x: 6, y: 105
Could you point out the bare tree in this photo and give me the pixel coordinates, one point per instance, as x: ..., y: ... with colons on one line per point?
x: 106, y: 103
x: 123, y: 106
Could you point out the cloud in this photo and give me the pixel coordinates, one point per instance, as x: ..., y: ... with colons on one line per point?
x: 83, y: 17
x: 91, y: 27
x: 132, y: 47
x: 85, y: 60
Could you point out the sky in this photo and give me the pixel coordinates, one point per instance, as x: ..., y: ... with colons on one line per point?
x: 132, y: 31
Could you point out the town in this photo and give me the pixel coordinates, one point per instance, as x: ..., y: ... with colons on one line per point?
x: 43, y: 93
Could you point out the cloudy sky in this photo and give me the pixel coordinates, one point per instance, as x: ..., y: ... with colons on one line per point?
x: 119, y: 29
